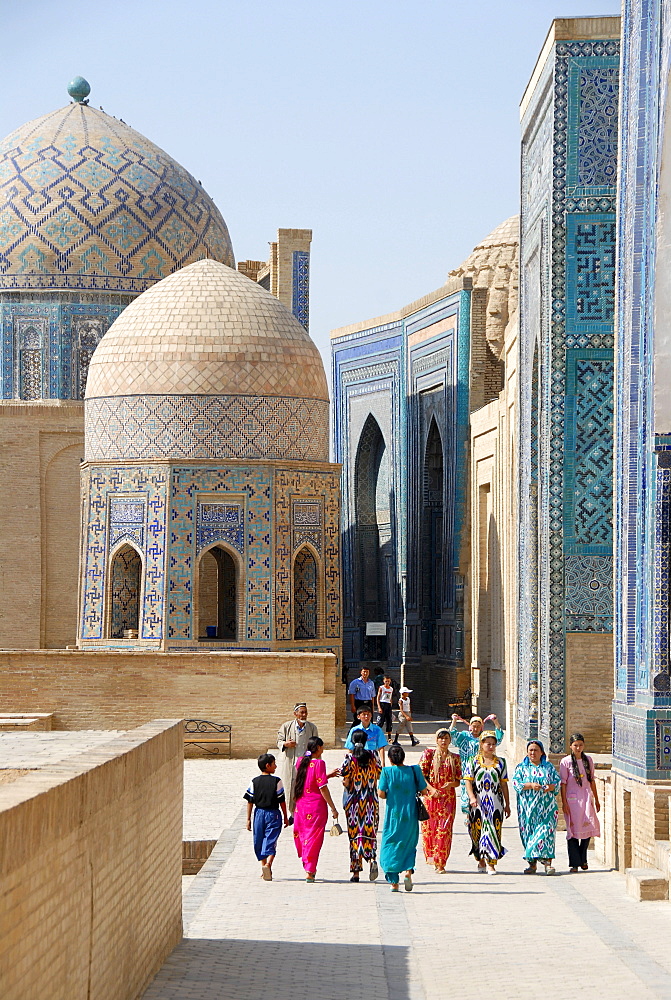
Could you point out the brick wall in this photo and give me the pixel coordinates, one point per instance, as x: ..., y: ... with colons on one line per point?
x: 589, y: 688
x: 254, y: 692
x: 41, y: 445
x: 91, y: 867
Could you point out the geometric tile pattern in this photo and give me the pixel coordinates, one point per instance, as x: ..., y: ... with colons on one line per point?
x: 640, y: 504
x: 589, y: 593
x: 597, y: 131
x: 591, y: 271
x: 205, y: 427
x: 300, y: 305
x: 64, y: 329
x: 126, y: 521
x: 662, y: 583
x: 189, y: 507
x: 570, y: 225
x: 101, y: 487
x: 291, y: 487
x: 220, y: 522
x: 305, y: 595
x: 186, y: 484
x: 307, y: 519
x: 663, y: 744
x: 88, y: 203
x: 591, y: 492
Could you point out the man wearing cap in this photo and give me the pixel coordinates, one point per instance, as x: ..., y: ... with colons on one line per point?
x: 292, y: 741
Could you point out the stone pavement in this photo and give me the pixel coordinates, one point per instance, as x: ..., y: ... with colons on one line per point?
x: 509, y: 936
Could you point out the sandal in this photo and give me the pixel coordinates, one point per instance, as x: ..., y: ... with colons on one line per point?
x: 394, y: 887
x: 354, y: 878
x: 440, y: 871
x: 531, y: 870
x: 266, y: 873
x: 549, y: 869
x: 585, y: 867
x: 407, y: 883
x: 310, y: 877
x: 374, y: 871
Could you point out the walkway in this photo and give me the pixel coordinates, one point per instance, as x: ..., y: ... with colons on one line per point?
x: 510, y: 936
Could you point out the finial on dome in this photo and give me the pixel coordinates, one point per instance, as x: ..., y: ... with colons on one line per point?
x: 79, y: 89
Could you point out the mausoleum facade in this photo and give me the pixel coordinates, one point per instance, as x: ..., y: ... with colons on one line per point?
x: 210, y: 509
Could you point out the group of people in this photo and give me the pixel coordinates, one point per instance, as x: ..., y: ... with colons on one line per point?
x: 381, y: 693
x: 420, y: 797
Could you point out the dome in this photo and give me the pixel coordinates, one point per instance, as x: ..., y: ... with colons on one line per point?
x: 206, y: 364
x: 494, y: 265
x: 86, y: 202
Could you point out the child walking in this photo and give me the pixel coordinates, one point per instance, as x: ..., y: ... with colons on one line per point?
x: 385, y: 693
x: 405, y: 715
x: 266, y: 796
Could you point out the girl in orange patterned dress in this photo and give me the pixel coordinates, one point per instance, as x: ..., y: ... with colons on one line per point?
x: 442, y: 771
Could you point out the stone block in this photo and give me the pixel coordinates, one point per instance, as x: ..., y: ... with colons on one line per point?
x: 646, y: 884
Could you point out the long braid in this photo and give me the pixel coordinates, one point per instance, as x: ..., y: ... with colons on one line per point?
x: 585, y: 759
x: 574, y: 765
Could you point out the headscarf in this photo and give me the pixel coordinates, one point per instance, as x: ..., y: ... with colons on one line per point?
x: 488, y: 733
x: 439, y: 756
x: 475, y: 718
x: 538, y: 744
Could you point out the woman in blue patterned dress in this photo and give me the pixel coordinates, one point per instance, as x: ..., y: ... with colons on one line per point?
x: 486, y: 779
x: 537, y: 782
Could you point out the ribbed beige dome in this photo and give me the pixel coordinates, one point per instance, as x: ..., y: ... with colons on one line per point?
x: 206, y: 330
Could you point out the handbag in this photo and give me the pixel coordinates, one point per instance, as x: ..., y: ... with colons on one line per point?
x: 422, y: 811
x: 335, y: 830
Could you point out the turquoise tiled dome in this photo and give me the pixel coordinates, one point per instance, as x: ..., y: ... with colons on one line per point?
x: 86, y: 202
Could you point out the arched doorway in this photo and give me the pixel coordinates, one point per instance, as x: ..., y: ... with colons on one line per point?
x: 217, y: 595
x: 305, y: 595
x: 432, y: 538
x: 126, y: 577
x: 372, y: 493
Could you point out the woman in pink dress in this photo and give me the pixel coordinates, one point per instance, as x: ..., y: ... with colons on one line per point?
x: 580, y: 802
x: 311, y: 812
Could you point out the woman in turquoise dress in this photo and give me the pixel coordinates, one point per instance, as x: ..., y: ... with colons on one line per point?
x: 537, y: 782
x: 399, y: 785
x: 486, y: 779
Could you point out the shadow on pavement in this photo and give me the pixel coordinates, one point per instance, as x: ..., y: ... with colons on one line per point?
x: 201, y: 969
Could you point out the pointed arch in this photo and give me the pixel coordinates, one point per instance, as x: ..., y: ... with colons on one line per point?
x: 432, y: 540
x: 373, y: 536
x: 306, y: 594
x: 219, y: 597
x: 125, y: 592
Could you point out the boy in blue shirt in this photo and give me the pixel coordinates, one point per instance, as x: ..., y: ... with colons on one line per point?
x: 266, y: 796
x: 376, y: 740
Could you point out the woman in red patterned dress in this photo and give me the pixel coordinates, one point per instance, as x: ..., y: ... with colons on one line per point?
x: 442, y: 771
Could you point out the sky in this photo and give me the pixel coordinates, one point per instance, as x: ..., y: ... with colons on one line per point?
x: 391, y: 129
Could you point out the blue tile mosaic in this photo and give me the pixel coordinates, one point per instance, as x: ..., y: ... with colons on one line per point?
x: 567, y: 264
